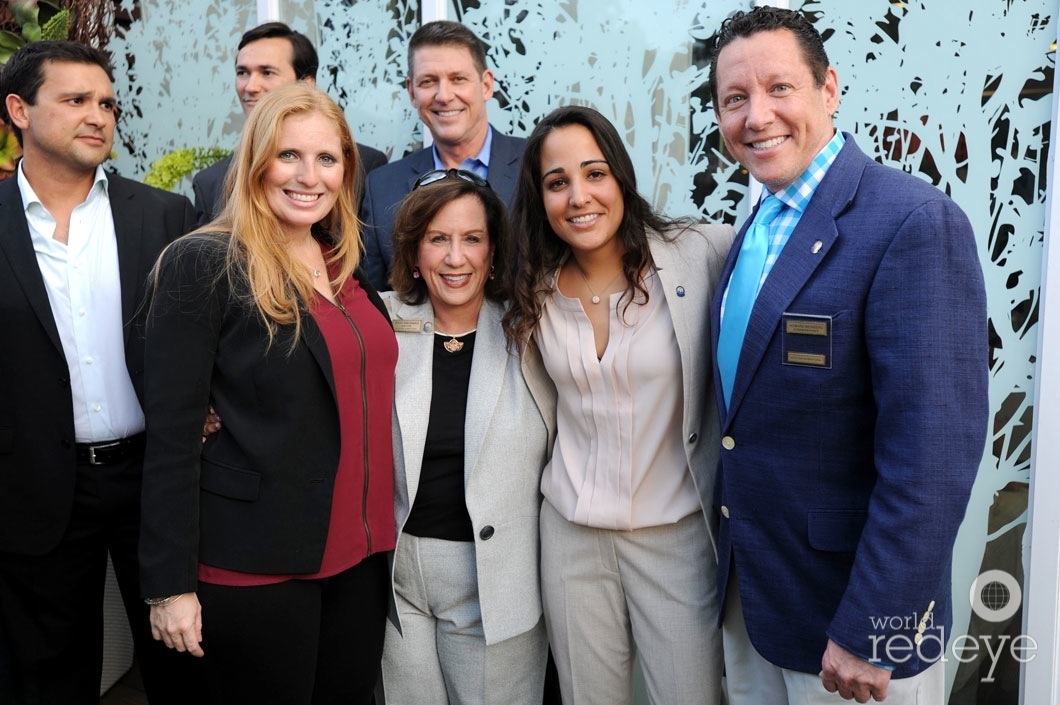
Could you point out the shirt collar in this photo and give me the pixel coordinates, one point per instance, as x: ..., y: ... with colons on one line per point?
x: 798, y: 194
x: 479, y: 164
x: 29, y: 196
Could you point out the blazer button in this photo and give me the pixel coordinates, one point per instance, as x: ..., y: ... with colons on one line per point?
x: 725, y: 511
x: 692, y: 438
x: 728, y: 443
x: 486, y: 534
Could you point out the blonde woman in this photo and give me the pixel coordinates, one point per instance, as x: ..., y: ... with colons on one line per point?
x: 264, y: 549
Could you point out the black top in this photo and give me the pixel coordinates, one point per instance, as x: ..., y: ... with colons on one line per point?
x: 439, y: 511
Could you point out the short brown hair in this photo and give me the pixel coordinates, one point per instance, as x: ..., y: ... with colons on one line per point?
x: 417, y: 212
x: 446, y: 33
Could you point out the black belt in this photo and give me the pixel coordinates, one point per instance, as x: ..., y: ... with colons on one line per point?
x: 110, y: 452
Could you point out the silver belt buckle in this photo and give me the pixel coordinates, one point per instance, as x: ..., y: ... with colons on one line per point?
x: 103, y: 446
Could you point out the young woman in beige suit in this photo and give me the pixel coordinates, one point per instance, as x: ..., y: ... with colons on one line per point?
x: 615, y: 299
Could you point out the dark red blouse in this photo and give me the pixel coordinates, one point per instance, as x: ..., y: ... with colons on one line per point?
x: 363, y: 354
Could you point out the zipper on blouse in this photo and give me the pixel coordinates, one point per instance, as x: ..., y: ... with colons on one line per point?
x: 364, y: 421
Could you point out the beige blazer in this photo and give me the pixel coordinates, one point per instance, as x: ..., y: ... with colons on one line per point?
x: 506, y: 447
x: 689, y: 268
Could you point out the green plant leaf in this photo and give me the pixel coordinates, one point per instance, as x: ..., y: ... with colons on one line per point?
x: 24, y: 12
x: 57, y: 27
x: 10, y: 151
x: 11, y: 41
x: 168, y: 170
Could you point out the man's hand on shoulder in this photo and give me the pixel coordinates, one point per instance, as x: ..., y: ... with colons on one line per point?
x: 851, y: 676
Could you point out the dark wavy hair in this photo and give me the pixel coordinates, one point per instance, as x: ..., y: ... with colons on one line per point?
x: 539, y: 251
x: 766, y: 19
x: 414, y: 217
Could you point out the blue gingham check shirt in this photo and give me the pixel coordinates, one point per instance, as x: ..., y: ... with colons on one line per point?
x: 795, y: 199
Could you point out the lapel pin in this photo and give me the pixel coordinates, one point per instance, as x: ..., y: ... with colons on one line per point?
x: 680, y: 291
x: 817, y: 247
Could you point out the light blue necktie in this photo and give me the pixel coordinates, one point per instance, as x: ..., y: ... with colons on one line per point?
x: 743, y: 289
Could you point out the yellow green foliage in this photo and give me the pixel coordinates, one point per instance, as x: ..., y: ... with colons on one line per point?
x: 168, y: 170
x: 9, y: 151
x: 58, y: 27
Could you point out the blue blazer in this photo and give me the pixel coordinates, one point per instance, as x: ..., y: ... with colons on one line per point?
x: 857, y: 422
x: 388, y: 185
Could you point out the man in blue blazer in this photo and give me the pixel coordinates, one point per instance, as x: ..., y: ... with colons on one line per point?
x: 851, y: 340
x: 268, y: 56
x: 449, y: 85
x: 76, y: 246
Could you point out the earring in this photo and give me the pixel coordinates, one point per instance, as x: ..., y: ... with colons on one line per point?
x: 493, y: 272
x: 415, y: 272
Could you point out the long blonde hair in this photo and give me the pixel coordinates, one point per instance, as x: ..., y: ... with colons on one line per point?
x: 279, y: 285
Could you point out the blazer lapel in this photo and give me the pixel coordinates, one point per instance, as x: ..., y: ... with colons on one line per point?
x: 673, y: 273
x: 17, y: 246
x: 318, y: 348
x: 488, y: 364
x: 805, y: 250
x: 504, y: 165
x: 420, y: 163
x: 412, y: 402
x: 128, y: 223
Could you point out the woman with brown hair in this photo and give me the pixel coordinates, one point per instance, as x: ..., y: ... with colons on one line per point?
x: 470, y: 444
x: 615, y: 299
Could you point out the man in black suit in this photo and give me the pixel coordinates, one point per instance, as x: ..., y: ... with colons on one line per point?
x: 449, y: 85
x: 76, y: 247
x: 269, y: 56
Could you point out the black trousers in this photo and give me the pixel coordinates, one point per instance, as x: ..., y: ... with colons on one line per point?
x: 300, y: 642
x: 51, y: 606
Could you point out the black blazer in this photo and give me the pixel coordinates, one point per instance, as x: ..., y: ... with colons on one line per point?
x: 37, y: 455
x: 256, y: 497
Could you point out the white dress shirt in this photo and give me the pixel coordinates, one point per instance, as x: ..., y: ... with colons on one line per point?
x: 84, y: 290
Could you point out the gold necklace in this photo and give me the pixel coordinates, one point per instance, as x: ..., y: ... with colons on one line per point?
x: 595, y: 298
x: 453, y: 345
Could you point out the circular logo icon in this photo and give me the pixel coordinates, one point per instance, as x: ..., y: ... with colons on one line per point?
x: 995, y: 595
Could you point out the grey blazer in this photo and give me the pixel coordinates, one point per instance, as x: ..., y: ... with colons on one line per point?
x: 689, y: 268
x: 506, y: 446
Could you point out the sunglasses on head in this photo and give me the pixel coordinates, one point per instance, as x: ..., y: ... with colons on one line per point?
x: 436, y: 175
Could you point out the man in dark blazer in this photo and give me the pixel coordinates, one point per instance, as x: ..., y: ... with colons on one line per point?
x: 76, y: 247
x: 449, y: 85
x: 851, y: 340
x: 269, y: 56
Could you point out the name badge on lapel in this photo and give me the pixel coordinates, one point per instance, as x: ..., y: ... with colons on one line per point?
x: 402, y: 325
x: 806, y: 340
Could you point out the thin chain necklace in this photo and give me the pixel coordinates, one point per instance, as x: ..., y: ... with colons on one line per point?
x: 595, y: 297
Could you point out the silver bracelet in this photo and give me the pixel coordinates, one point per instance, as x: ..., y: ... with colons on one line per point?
x: 162, y: 601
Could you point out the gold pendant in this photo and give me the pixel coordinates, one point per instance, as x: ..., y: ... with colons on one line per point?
x: 453, y: 345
